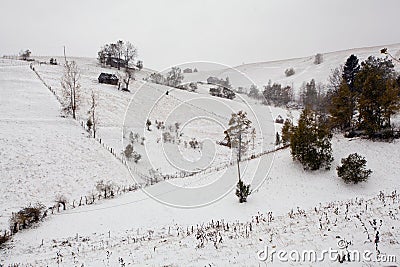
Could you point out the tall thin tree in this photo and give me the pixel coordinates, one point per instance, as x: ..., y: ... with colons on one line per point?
x: 71, y: 88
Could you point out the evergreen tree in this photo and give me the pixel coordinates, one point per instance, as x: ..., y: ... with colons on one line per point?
x: 286, y: 132
x: 341, y: 107
x: 277, y: 95
x: 379, y: 94
x: 310, y: 142
x: 350, y: 70
x: 309, y: 95
x: 242, y: 191
x: 254, y: 92
x: 353, y: 169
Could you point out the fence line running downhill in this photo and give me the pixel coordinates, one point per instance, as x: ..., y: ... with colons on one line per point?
x: 90, y: 199
x: 149, y: 180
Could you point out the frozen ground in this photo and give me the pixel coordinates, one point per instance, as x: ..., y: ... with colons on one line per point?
x: 44, y: 155
x: 261, y: 72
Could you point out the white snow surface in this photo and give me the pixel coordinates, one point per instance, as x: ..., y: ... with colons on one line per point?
x: 44, y: 155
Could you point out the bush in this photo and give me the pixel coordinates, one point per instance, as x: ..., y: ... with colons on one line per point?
x: 26, y: 217
x: 136, y: 157
x: 128, y: 152
x: 318, y: 59
x: 4, y: 238
x: 105, y: 188
x: 353, y: 169
x: 242, y: 191
x: 289, y: 72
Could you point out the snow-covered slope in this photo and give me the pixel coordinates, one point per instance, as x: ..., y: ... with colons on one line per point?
x: 140, y: 229
x: 305, y: 69
x: 42, y: 154
x: 53, y: 155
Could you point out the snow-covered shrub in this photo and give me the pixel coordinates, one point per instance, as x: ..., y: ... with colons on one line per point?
x: 289, y: 72
x: 318, y: 59
x: 105, y: 188
x: 4, y: 238
x: 353, y: 169
x: 26, y: 217
x: 136, y: 157
x: 167, y: 137
x: 128, y: 152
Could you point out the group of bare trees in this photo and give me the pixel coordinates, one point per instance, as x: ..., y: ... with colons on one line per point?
x: 71, y: 96
x: 173, y: 78
x: 25, y: 54
x: 124, y: 53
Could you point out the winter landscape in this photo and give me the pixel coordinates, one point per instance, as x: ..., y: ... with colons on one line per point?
x: 106, y: 160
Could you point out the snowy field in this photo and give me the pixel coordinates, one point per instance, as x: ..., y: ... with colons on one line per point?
x: 42, y: 154
x: 192, y: 221
x: 261, y: 72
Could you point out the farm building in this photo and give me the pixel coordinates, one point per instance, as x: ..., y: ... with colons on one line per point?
x: 108, y: 78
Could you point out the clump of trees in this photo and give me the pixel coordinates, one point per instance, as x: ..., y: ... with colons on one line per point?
x: 191, y: 87
x: 353, y: 169
x: 312, y: 96
x: 124, y: 53
x: 25, y: 54
x: 289, y: 72
x: 173, y: 78
x: 310, y: 141
x: 221, y: 91
x: 254, y: 92
x: 367, y: 97
x: 217, y: 81
x: 276, y: 94
x: 157, y: 78
x: 131, y: 154
x: 53, y: 61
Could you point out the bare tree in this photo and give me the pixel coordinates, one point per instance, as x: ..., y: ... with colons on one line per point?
x: 174, y: 77
x: 129, y: 74
x: 335, y: 79
x: 25, y: 55
x: 119, y: 51
x: 130, y: 52
x: 71, y: 88
x: 93, y: 112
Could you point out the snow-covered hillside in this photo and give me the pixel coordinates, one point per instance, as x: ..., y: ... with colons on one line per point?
x: 261, y: 72
x: 43, y: 155
x: 194, y: 219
